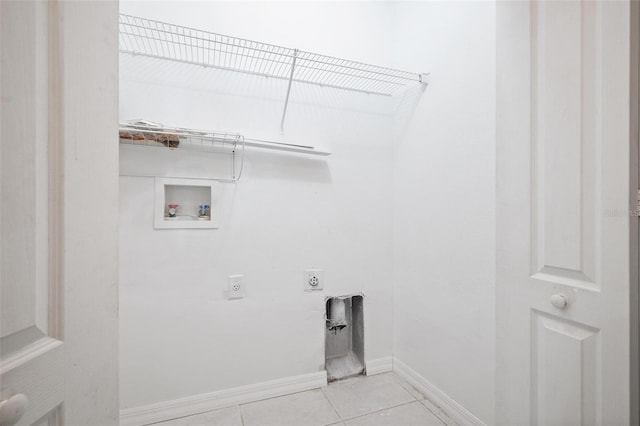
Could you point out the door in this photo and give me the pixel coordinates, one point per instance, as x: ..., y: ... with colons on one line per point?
x: 58, y: 210
x: 563, y: 213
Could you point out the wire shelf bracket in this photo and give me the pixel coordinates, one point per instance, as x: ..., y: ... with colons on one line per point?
x: 286, y: 99
x: 156, y: 39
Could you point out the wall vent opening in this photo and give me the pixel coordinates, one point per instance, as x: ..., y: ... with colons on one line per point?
x: 344, y: 337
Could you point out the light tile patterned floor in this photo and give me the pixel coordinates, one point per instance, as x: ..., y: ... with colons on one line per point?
x: 381, y: 400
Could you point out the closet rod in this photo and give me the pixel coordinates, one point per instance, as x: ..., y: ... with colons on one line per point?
x: 143, y: 132
x: 281, y: 146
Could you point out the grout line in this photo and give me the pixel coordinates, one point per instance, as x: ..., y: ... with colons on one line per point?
x: 414, y: 399
x: 440, y: 414
x: 241, y: 416
x: 387, y: 408
x: 331, y: 403
x: 276, y: 396
x: 408, y: 387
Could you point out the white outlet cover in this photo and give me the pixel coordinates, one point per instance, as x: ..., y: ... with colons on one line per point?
x: 235, y: 287
x: 313, y: 280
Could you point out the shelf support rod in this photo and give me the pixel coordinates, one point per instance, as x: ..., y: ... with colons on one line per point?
x: 286, y: 99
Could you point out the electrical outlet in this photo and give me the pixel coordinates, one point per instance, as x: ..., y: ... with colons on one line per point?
x: 313, y: 279
x: 235, y: 289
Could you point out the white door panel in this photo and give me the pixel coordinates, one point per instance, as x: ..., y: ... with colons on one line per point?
x: 562, y: 203
x: 58, y: 264
x: 564, y: 372
x: 565, y: 185
x: 32, y: 353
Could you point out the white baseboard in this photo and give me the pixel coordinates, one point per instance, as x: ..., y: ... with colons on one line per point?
x: 448, y: 405
x: 380, y: 365
x: 191, y: 405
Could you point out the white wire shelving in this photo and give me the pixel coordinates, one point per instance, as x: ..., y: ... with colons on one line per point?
x: 150, y: 134
x: 145, y: 133
x: 146, y: 37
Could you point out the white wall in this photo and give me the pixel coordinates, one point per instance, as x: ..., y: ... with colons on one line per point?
x: 402, y: 210
x: 288, y: 213
x: 444, y: 202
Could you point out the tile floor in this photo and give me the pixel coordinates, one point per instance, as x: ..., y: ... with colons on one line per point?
x: 381, y: 400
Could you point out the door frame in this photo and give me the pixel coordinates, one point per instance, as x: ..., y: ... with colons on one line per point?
x: 88, y: 59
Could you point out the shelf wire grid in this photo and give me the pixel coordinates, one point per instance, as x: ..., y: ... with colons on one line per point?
x: 177, y: 138
x: 141, y: 36
x: 180, y: 138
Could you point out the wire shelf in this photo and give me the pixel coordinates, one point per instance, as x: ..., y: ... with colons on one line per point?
x: 149, y: 134
x: 152, y: 134
x: 141, y: 36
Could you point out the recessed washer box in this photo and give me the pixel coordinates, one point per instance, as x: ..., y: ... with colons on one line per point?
x: 189, y: 195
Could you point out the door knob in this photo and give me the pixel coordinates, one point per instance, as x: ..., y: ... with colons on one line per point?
x: 12, y: 409
x: 559, y: 301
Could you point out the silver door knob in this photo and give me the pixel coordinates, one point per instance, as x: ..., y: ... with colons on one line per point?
x: 12, y: 409
x: 559, y: 301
